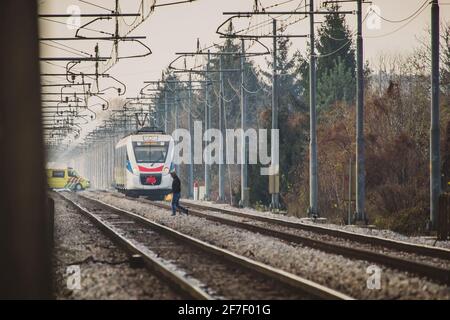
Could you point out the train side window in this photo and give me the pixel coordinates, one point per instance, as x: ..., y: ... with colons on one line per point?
x: 58, y: 174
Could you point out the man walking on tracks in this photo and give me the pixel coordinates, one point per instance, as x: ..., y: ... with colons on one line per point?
x: 176, y: 193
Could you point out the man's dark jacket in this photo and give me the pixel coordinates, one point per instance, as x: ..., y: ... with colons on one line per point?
x: 176, y: 185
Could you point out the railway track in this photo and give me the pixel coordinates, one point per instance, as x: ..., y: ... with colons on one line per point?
x: 429, y: 251
x: 289, y: 232
x: 193, y: 267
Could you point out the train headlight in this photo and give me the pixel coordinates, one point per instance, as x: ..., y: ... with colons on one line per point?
x: 166, y: 170
x: 135, y: 169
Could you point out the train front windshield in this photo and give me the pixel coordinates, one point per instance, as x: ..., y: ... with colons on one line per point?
x: 150, y: 153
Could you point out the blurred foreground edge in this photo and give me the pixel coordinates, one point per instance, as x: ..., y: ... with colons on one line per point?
x: 25, y: 223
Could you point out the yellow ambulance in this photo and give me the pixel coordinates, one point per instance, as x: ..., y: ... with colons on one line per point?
x: 66, y: 178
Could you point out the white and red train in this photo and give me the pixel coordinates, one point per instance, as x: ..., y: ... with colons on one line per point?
x: 142, y: 164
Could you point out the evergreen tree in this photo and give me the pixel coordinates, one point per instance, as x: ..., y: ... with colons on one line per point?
x: 336, y: 64
x: 336, y: 84
x: 334, y: 44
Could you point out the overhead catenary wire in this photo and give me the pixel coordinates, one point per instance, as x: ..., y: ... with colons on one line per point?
x: 72, y: 48
x: 276, y: 4
x: 63, y: 49
x: 268, y: 21
x: 252, y: 92
x: 74, y: 25
x: 425, y: 3
x: 295, y: 10
x: 402, y: 26
x: 96, y: 5
x: 233, y: 88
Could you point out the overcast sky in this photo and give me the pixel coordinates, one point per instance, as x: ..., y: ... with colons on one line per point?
x: 175, y: 28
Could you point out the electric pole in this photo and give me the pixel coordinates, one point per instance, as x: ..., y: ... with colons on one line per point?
x: 176, y: 100
x: 313, y: 187
x: 191, y: 147
x: 244, y: 187
x: 274, y: 176
x: 207, y: 126
x: 222, y: 131
x: 175, y: 121
x: 435, y: 167
x: 360, y: 167
x: 166, y: 112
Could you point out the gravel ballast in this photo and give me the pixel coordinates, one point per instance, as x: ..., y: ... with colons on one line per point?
x: 220, y: 278
x: 383, y: 233
x: 442, y: 263
x: 105, y: 271
x: 342, y: 274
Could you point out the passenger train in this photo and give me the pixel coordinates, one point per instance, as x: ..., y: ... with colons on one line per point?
x: 142, y: 164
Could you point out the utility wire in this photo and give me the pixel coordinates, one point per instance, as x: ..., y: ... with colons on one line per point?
x: 276, y: 4
x: 268, y: 21
x: 96, y: 5
x: 71, y: 48
x: 401, y: 27
x: 74, y: 25
x: 426, y: 2
x: 59, y: 48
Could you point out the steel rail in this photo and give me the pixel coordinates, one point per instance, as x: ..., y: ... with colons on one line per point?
x: 152, y: 263
x: 270, y: 272
x: 439, y: 274
x: 426, y: 250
